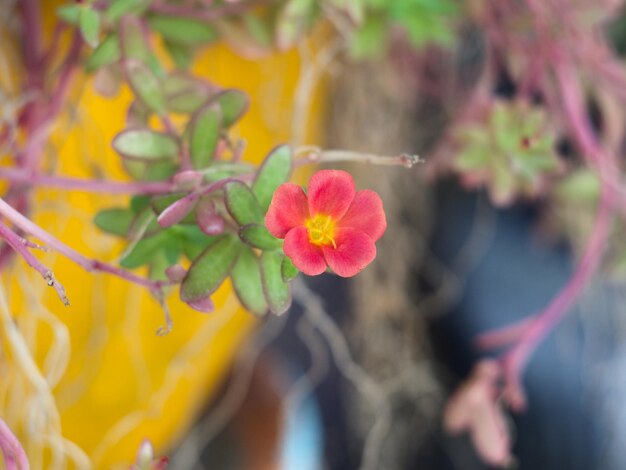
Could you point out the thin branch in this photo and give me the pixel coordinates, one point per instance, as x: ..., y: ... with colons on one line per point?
x: 314, y: 155
x: 88, y: 264
x: 21, y: 175
x: 352, y: 371
x: 20, y: 246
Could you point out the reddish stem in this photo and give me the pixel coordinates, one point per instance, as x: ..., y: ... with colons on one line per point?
x: 19, y: 175
x: 20, y: 246
x: 27, y: 226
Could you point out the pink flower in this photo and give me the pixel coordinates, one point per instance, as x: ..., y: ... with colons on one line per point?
x: 475, y: 408
x: 333, y: 225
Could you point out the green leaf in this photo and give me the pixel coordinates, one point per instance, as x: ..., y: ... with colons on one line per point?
x: 293, y: 21
x: 234, y: 104
x: 182, y: 30
x: 146, y: 86
x: 370, y: 40
x: 275, y: 171
x: 194, y: 240
x: 246, y: 279
x: 579, y: 187
x: 181, y: 55
x: 89, y: 23
x: 132, y: 41
x: 138, y: 114
x: 70, y: 13
x: 259, y: 29
x: 184, y: 93
x: 143, y: 251
x: 115, y: 221
x: 210, y: 268
x: 288, y: 270
x: 241, y: 203
x: 257, y: 236
x: 107, y: 52
x: 139, y: 203
x: 145, y: 144
x: 119, y: 8
x: 160, y: 171
x: 276, y: 290
x: 204, y: 134
x: 157, y: 266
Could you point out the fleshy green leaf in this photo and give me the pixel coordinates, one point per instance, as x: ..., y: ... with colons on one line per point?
x: 288, y: 270
x: 107, y: 52
x: 116, y: 221
x: 143, y: 251
x: 139, y: 203
x: 276, y: 290
x: 182, y: 30
x: 119, y: 8
x: 246, y: 279
x: 579, y: 187
x: 234, y: 104
x: 241, y: 203
x: 259, y: 29
x: 185, y: 94
x: 293, y: 21
x: 132, y: 41
x: 89, y: 23
x: 275, y: 171
x: 210, y: 268
x: 146, y: 86
x: 204, y: 134
x: 257, y: 236
x: 138, y: 114
x: 181, y: 55
x: 194, y: 240
x: 69, y: 13
x: 371, y: 38
x: 145, y: 144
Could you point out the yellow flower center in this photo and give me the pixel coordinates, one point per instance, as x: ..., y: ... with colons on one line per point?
x: 321, y: 230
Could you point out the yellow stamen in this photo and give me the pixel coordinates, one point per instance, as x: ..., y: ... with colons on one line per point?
x: 321, y: 230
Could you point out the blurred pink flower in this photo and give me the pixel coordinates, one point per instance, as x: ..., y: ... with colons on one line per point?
x: 474, y: 408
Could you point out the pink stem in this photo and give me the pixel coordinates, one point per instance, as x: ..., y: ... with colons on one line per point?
x: 20, y: 245
x: 19, y: 175
x: 32, y: 25
x: 12, y: 451
x: 503, y: 336
x: 516, y: 358
x: 88, y: 264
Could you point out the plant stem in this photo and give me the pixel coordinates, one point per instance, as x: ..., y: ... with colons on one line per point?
x: 316, y: 155
x: 515, y: 359
x: 54, y: 243
x: 19, y: 175
x: 20, y: 246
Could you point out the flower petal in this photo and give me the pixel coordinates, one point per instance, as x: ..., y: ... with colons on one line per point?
x: 287, y: 210
x: 307, y: 257
x: 366, y: 214
x: 355, y: 250
x: 330, y: 193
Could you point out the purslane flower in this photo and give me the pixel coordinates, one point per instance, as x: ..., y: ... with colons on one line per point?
x: 332, y: 225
